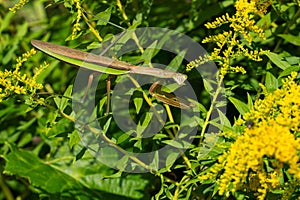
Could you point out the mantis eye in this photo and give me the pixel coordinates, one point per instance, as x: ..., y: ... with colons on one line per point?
x: 249, y: 123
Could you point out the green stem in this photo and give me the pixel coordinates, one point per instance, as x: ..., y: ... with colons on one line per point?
x: 106, y: 139
x: 92, y: 29
x: 209, y: 112
x: 5, y: 189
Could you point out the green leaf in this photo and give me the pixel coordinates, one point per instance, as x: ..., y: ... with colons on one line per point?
x: 176, y: 62
x: 170, y: 160
x: 159, y: 136
x: 208, y: 87
x: 155, y: 161
x: 293, y: 60
x: 144, y: 122
x: 180, y: 145
x: 137, y: 21
x: 104, y: 17
x: 277, y: 60
x: 124, y: 137
x: 74, y: 138
x: 289, y: 70
x: 149, y: 52
x: 173, y: 143
x: 22, y: 30
x: 129, y: 187
x: 28, y: 165
x: 295, y: 40
x: 271, y: 82
x: 224, y: 120
x: 106, y: 125
x: 62, y: 102
x: 138, y: 101
x: 239, y: 105
x: 250, y: 102
x: 6, y: 21
x: 122, y: 163
x: 81, y: 153
x: 59, y: 127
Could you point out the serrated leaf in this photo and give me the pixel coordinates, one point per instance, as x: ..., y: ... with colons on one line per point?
x: 26, y: 164
x: 124, y: 187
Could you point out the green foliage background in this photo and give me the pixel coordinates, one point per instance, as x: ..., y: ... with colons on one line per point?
x: 41, y: 157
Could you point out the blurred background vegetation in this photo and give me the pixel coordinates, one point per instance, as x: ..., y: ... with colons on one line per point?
x: 40, y: 153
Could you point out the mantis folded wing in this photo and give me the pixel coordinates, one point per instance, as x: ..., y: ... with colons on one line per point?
x: 107, y: 65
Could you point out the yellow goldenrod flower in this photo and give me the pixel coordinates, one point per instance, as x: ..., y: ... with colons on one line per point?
x: 18, y: 5
x: 246, y: 159
x: 14, y: 82
x: 281, y: 106
x: 76, y: 26
x: 229, y: 45
x: 271, y: 140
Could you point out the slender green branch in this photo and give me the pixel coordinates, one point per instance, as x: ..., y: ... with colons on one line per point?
x: 5, y: 189
x: 209, y: 112
x: 106, y: 139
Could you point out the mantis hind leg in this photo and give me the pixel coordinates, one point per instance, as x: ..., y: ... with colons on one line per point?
x: 168, y: 98
x: 89, y: 84
x: 108, y: 85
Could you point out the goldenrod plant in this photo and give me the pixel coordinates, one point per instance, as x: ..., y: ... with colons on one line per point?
x: 63, y: 137
x: 14, y: 82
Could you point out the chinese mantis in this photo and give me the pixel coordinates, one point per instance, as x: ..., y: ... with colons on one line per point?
x: 101, y: 64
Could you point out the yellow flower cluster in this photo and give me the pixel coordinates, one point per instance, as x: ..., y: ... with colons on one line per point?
x: 76, y: 26
x: 13, y: 82
x: 282, y: 105
x: 18, y: 5
x: 254, y: 6
x: 229, y: 46
x: 256, y: 160
x: 247, y: 158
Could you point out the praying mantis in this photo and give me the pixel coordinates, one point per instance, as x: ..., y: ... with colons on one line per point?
x: 102, y: 64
